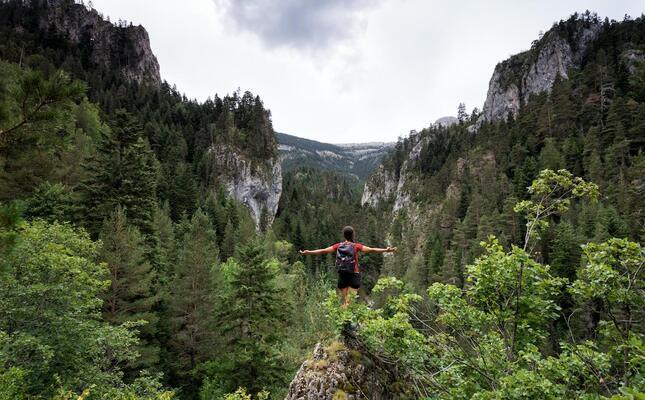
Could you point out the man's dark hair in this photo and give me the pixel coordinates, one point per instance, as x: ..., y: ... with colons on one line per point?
x: 348, y: 233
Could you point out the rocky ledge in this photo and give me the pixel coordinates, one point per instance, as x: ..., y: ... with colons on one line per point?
x: 337, y: 372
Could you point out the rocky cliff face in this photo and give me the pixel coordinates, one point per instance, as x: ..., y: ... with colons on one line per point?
x: 255, y: 183
x: 388, y: 186
x: 380, y: 187
x: 514, y: 80
x: 123, y: 47
x: 534, y: 71
x: 336, y: 372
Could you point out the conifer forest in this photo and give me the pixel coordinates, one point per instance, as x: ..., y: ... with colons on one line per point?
x: 149, y: 242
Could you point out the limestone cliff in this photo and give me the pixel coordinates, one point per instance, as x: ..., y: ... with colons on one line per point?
x: 534, y: 71
x: 255, y: 183
x: 123, y: 47
x: 390, y: 185
x: 380, y: 187
x: 514, y: 80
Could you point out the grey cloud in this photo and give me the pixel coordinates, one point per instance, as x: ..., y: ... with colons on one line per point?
x: 302, y: 24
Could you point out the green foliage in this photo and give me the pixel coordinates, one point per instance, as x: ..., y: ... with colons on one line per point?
x: 51, y: 202
x: 124, y: 172
x: 612, y: 276
x: 38, y: 138
x: 192, y: 299
x: 476, y: 343
x: 34, y: 104
x: 551, y: 195
x: 240, y: 394
x: 517, y: 291
x: 251, y: 313
x: 130, y: 296
x: 52, y: 335
x: 10, y: 219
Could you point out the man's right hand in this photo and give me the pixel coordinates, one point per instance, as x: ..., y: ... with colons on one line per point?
x: 391, y: 249
x: 303, y: 252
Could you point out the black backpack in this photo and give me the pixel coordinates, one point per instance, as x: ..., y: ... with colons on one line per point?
x: 345, y: 257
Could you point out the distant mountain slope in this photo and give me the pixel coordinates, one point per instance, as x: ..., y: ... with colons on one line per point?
x: 355, y: 160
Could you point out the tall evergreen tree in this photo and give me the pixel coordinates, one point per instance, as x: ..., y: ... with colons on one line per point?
x: 192, y: 297
x: 164, y: 251
x: 123, y: 172
x: 229, y: 244
x: 550, y: 156
x: 250, y: 315
x: 565, y: 251
x: 130, y: 296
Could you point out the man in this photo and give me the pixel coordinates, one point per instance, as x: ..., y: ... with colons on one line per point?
x: 349, y: 278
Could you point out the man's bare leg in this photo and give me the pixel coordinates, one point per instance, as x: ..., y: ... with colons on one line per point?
x: 351, y: 294
x: 343, y: 295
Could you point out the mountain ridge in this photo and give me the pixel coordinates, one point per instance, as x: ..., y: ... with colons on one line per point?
x: 355, y: 160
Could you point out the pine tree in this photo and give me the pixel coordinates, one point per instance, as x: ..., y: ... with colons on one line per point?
x: 565, y: 251
x: 229, y: 244
x: 564, y: 110
x: 550, y: 156
x: 123, y: 172
x: 592, y: 163
x: 130, y: 296
x: 192, y: 297
x: 51, y: 202
x: 164, y: 249
x: 433, y: 259
x: 462, y: 115
x: 263, y: 223
x: 250, y: 316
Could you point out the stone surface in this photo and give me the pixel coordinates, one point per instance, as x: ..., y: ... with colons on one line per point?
x: 335, y: 372
x: 633, y: 57
x: 391, y: 186
x: 534, y: 71
x: 255, y: 183
x: 446, y: 121
x: 380, y: 187
x: 107, y: 42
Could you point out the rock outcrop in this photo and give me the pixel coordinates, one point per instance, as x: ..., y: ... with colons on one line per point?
x: 380, y: 187
x: 446, y: 121
x: 534, y: 71
x: 255, y: 183
x: 337, y: 372
x: 513, y: 82
x: 388, y: 186
x: 123, y: 47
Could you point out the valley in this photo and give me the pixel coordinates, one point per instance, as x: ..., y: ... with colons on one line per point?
x: 149, y: 242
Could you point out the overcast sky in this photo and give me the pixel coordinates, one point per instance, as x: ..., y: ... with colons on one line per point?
x: 346, y: 71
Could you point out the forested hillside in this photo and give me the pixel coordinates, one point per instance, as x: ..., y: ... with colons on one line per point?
x: 356, y: 161
x: 148, y: 242
x: 131, y: 256
x: 516, y: 277
x: 451, y: 187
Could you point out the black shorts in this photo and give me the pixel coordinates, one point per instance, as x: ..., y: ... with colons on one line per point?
x: 349, y: 279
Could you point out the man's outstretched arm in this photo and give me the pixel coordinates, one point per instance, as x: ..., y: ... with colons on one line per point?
x: 388, y: 249
x: 326, y: 250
